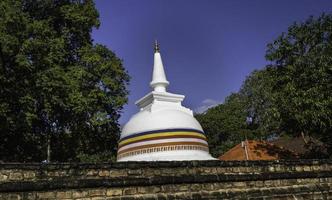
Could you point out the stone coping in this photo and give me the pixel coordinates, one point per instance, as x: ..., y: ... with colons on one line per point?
x: 160, y: 164
x: 73, y: 183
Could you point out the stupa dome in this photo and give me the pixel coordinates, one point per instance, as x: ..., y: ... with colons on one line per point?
x: 160, y: 120
x: 163, y: 129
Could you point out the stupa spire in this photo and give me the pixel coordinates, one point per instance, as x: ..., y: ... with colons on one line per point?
x: 156, y: 46
x: 159, y: 81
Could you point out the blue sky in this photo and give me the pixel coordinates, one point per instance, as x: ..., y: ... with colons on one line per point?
x: 208, y: 47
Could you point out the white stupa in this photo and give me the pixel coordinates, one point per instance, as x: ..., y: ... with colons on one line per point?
x: 163, y: 129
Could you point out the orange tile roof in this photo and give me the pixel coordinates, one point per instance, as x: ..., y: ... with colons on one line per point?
x: 257, y: 150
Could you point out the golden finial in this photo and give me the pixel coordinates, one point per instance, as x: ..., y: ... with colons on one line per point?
x: 156, y: 46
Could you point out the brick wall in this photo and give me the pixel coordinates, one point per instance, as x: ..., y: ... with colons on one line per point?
x: 169, y: 180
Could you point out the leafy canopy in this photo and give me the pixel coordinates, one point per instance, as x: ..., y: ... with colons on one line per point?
x: 291, y: 96
x: 302, y: 69
x: 55, y: 84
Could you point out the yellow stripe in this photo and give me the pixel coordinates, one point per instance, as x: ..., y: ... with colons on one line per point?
x: 152, y: 135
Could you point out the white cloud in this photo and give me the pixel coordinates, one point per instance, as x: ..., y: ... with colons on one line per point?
x: 206, y: 104
x: 209, y: 101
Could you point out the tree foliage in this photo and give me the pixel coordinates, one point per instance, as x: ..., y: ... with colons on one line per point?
x: 302, y: 67
x: 260, y: 106
x: 291, y: 95
x: 226, y: 124
x: 55, y: 84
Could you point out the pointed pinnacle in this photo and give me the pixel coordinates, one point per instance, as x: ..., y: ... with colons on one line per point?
x: 156, y: 46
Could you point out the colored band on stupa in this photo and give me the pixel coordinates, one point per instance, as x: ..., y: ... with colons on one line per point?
x: 162, y: 140
x: 148, y: 135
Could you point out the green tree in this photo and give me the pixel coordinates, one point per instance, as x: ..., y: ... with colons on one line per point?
x: 225, y: 125
x: 292, y: 95
x: 257, y: 89
x: 57, y: 88
x: 302, y: 63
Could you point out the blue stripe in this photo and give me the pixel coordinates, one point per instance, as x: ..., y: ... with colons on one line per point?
x: 161, y: 131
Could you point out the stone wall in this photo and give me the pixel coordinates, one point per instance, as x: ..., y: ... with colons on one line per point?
x: 309, y: 179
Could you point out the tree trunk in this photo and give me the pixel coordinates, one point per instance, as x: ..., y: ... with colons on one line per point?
x: 48, y: 149
x: 303, y: 137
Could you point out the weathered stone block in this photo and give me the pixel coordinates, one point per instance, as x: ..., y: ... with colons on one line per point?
x: 147, y: 197
x: 130, y: 198
x: 268, y: 183
x: 223, y: 185
x: 242, y: 169
x: 64, y: 195
x: 148, y: 173
x: 168, y: 171
x: 184, y: 187
x: 316, y: 167
x: 15, y: 176
x: 149, y: 189
x: 104, y: 173
x: 207, y: 186
x: 92, y: 172
x: 161, y: 196
x: 97, y: 198
x: 52, y: 173
x: 195, y: 187
x: 299, y: 168
x: 11, y: 197
x: 221, y: 170
x: 325, y: 167
x: 259, y: 183
x: 114, y: 192
x: 306, y: 168
x: 113, y: 198
x: 183, y: 195
x: 80, y: 194
x: 239, y: 184
x: 278, y: 168
x: 62, y: 173
x: 3, y: 177
x: 236, y: 169
x: 46, y: 195
x: 204, y: 170
x: 250, y: 183
x: 192, y: 171
x: 169, y: 188
x: 129, y: 191
x: 135, y: 172
x: 29, y: 196
x: 118, y: 173
x: 29, y: 175
x: 271, y: 169
x: 97, y: 192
